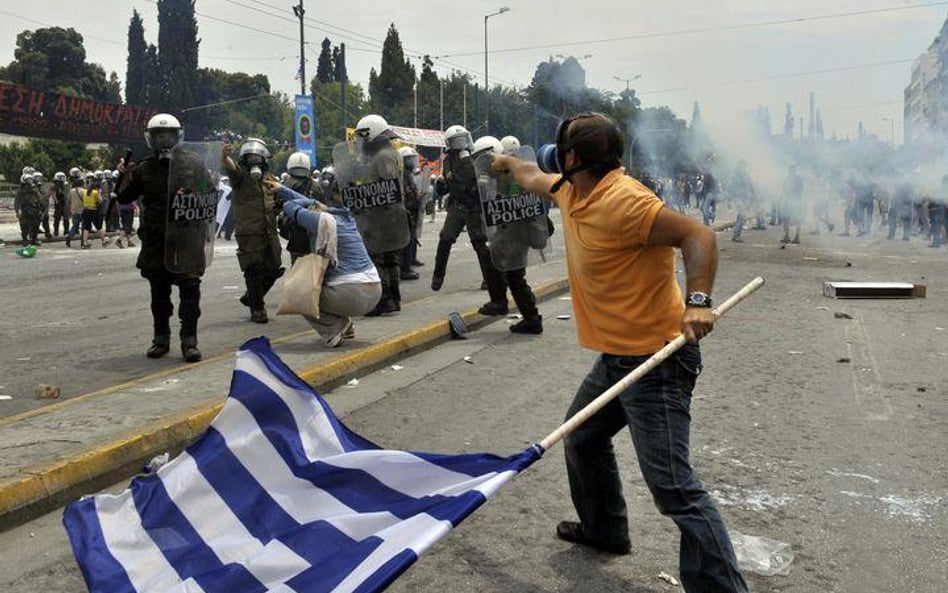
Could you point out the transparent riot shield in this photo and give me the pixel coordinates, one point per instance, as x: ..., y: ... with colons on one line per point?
x: 374, y: 198
x: 193, y: 178
x: 518, y: 233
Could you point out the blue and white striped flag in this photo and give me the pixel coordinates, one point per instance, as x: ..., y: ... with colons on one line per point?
x: 278, y: 495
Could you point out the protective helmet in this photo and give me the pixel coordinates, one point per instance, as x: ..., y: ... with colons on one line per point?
x: 409, y: 156
x: 374, y: 126
x: 457, y: 138
x: 253, y: 152
x: 327, y: 176
x: 90, y: 175
x: 225, y: 180
x: 106, y: 174
x: 163, y: 132
x: 488, y: 143
x: 284, y: 176
x: 60, y: 177
x: 28, y: 170
x: 511, y: 144
x: 38, y: 177
x: 98, y: 174
x: 115, y: 174
x: 26, y: 178
x: 298, y: 164
x: 75, y: 172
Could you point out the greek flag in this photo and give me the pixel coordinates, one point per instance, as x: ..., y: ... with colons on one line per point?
x: 278, y: 495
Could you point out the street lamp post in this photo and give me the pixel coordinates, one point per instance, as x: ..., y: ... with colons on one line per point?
x: 628, y: 87
x: 486, y: 77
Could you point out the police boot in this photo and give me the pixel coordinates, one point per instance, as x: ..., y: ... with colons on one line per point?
x: 441, y: 265
x: 496, y: 287
x: 160, y: 345
x: 528, y: 325
x: 189, y: 349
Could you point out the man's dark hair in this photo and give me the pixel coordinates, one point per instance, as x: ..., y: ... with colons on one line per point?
x: 597, y: 142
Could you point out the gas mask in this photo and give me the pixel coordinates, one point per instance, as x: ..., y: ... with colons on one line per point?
x: 551, y: 158
x: 255, y: 164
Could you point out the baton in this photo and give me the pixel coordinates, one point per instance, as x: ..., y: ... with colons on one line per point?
x: 641, y: 370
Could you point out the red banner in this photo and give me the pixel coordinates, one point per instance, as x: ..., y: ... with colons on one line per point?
x: 31, y: 112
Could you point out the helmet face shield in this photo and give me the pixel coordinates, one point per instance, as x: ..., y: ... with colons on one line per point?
x: 163, y: 138
x: 459, y: 142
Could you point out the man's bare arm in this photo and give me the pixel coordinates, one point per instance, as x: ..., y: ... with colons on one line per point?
x: 527, y: 174
x: 700, y: 252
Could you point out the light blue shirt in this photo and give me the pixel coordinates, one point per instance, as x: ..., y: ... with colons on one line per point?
x: 352, y: 256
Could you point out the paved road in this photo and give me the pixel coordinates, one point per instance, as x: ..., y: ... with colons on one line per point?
x: 843, y: 460
x: 79, y: 319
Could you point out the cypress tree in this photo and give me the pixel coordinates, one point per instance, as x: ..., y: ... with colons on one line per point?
x: 135, y: 73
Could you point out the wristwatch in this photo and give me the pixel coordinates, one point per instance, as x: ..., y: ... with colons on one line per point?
x: 698, y: 299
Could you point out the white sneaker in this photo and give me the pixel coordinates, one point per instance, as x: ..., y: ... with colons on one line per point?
x: 336, y: 340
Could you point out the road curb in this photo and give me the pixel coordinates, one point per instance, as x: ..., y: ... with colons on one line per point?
x: 42, y: 488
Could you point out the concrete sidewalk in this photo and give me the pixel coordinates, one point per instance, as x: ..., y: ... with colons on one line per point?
x: 58, y: 453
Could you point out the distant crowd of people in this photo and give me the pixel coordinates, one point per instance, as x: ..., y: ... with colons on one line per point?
x: 852, y: 205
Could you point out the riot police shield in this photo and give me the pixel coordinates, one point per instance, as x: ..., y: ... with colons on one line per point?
x: 518, y: 231
x: 193, y: 177
x: 375, y: 201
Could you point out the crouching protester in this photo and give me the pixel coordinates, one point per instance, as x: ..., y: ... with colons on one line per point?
x: 351, y: 286
x: 620, y: 253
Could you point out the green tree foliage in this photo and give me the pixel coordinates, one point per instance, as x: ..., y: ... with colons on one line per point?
x: 391, y: 89
x: 54, y: 59
x: 327, y: 108
x: 429, y: 96
x: 178, y: 54
x: 153, y: 93
x: 324, y: 68
x: 13, y: 157
x: 136, y: 76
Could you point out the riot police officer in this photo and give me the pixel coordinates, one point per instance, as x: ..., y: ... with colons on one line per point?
x: 381, y: 217
x: 27, y: 205
x: 58, y: 193
x: 510, y: 242
x: 412, y: 206
x: 258, y: 245
x: 464, y: 210
x: 150, y: 181
x: 301, y: 181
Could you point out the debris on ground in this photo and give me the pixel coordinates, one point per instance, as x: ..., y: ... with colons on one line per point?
x: 457, y: 325
x: 842, y: 360
x: 44, y: 391
x: 468, y: 360
x: 668, y: 578
x: 397, y: 367
x: 839, y: 315
x: 564, y: 317
x: 760, y: 555
x: 157, y: 462
x: 352, y: 383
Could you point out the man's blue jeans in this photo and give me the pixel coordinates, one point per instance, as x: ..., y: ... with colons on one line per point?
x: 656, y: 410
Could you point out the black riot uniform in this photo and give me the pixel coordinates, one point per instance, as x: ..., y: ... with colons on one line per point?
x: 297, y: 238
x: 258, y: 245
x: 148, y: 182
x: 464, y: 211
x: 386, y: 163
x: 412, y: 205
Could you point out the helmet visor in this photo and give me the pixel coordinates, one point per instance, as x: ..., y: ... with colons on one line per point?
x: 164, y: 139
x: 459, y: 142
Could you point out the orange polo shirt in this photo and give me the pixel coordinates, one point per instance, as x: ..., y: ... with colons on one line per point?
x: 626, y: 299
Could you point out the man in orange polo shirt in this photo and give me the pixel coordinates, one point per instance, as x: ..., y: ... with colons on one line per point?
x: 620, y: 255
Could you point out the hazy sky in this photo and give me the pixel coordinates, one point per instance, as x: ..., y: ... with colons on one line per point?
x: 723, y: 54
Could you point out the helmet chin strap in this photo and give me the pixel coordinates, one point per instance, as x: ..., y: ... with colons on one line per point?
x: 568, y: 176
